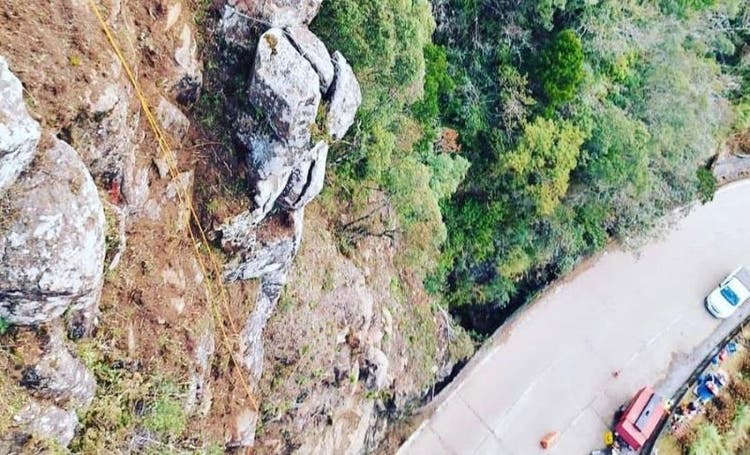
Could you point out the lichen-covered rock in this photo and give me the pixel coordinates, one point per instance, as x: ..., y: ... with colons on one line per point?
x: 236, y: 28
x: 313, y: 49
x: 19, y: 133
x: 348, y: 431
x: 51, y: 240
x: 376, y: 365
x: 47, y: 421
x: 106, y: 139
x: 285, y: 87
x: 279, y: 13
x: 306, y: 180
x: 346, y: 96
x: 58, y: 376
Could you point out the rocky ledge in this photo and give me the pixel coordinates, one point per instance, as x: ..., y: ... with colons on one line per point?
x: 293, y: 77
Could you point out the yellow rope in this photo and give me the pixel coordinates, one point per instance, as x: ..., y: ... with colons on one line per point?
x: 185, y: 200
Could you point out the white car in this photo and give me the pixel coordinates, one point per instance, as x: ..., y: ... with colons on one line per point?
x: 731, y: 293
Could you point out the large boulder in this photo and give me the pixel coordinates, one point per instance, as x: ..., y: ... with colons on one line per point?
x: 285, y: 87
x: 237, y: 29
x: 346, y: 96
x: 51, y: 239
x: 19, y: 133
x: 279, y: 13
x: 313, y: 49
x: 106, y: 139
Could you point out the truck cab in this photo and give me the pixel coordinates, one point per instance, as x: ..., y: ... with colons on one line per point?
x: 723, y: 301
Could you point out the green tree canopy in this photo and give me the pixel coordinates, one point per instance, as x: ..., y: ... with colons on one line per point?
x: 561, y: 68
x: 542, y: 162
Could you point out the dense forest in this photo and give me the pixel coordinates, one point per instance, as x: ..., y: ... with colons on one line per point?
x: 508, y: 139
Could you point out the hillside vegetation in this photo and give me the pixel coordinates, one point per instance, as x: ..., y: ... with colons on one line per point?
x: 510, y: 139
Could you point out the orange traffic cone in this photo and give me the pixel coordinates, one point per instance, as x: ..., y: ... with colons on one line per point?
x: 549, y: 439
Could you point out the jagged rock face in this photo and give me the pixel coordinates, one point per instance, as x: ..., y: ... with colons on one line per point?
x: 51, y: 240
x: 58, y: 376
x: 236, y: 27
x: 252, y: 335
x: 267, y: 250
x: 313, y: 49
x: 279, y: 13
x: 306, y: 180
x: 279, y: 175
x: 189, y: 68
x: 105, y: 137
x: 348, y: 431
x: 19, y: 133
x: 346, y: 96
x: 270, y: 164
x: 285, y: 87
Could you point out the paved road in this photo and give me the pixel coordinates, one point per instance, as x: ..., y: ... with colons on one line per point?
x: 551, y: 367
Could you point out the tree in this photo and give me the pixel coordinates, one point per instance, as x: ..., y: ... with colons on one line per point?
x: 561, y: 68
x: 541, y: 165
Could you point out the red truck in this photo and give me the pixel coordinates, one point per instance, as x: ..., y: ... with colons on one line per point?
x: 640, y: 418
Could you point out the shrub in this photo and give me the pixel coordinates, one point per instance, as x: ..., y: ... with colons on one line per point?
x: 721, y: 412
x: 541, y: 164
x: 740, y: 389
x: 706, y: 184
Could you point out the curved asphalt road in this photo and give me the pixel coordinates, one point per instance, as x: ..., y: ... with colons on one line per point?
x: 551, y: 368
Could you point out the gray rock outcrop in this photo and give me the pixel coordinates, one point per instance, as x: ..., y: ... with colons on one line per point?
x: 731, y: 166
x: 346, y: 96
x: 251, y: 347
x: 285, y: 87
x: 172, y: 119
x: 279, y: 13
x: 52, y: 248
x: 19, y: 133
x: 51, y: 240
x: 313, y: 49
